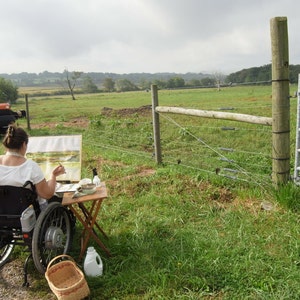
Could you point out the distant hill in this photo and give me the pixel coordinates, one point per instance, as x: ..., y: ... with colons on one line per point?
x: 257, y: 74
x: 254, y: 74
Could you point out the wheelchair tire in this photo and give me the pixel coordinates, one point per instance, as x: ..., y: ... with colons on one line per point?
x: 5, y: 252
x: 52, y: 235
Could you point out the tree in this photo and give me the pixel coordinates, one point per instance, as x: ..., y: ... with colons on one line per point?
x: 160, y: 83
x: 144, y: 84
x: 8, y: 91
x: 207, y: 81
x: 89, y: 86
x: 219, y: 79
x: 194, y: 82
x: 125, y: 85
x: 72, y: 81
x: 175, y: 82
x: 108, y: 85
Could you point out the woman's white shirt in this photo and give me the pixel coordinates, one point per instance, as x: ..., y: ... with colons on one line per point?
x: 18, y: 175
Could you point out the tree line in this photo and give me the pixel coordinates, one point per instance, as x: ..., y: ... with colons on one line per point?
x: 79, y: 82
x: 260, y: 74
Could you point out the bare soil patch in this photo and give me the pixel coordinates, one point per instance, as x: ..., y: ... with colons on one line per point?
x: 81, y: 122
x: 11, y: 281
x: 123, y: 112
x: 84, y: 122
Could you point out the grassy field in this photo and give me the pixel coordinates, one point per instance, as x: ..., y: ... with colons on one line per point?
x: 181, y: 230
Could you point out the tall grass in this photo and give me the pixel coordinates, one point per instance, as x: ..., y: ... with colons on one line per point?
x: 180, y: 230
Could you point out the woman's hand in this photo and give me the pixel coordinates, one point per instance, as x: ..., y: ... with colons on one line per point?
x: 59, y: 170
x: 46, y: 189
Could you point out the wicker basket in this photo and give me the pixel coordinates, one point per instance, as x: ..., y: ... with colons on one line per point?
x: 66, y: 280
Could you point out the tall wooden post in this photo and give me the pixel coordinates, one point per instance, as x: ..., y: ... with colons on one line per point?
x: 156, y: 127
x: 27, y: 112
x: 280, y: 101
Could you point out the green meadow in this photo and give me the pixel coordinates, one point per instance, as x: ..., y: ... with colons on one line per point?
x: 195, y: 226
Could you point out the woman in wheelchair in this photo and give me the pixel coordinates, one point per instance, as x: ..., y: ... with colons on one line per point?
x: 15, y: 169
x: 53, y: 230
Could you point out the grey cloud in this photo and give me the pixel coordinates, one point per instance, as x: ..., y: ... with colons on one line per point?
x: 140, y: 35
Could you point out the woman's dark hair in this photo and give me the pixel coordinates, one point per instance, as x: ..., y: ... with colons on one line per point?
x: 15, y: 137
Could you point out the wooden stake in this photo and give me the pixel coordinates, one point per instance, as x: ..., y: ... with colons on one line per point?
x: 280, y: 101
x: 156, y: 127
x: 27, y: 112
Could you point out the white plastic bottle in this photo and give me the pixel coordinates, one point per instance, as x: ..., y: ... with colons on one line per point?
x: 93, y: 265
x: 96, y: 179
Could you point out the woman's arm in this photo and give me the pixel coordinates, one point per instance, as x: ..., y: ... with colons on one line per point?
x: 46, y: 189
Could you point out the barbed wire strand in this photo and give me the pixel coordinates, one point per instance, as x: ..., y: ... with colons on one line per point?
x: 150, y: 156
x: 203, y: 142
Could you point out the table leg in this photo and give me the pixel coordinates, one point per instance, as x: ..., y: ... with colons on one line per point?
x: 89, y: 216
x: 88, y: 223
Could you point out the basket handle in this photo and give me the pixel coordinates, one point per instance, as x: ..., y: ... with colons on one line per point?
x: 58, y: 257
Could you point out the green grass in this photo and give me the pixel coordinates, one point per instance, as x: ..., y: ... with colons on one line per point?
x: 182, y: 232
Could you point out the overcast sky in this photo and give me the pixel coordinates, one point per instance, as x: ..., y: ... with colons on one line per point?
x: 135, y: 36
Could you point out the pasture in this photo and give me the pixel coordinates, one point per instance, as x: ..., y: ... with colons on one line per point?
x: 194, y: 227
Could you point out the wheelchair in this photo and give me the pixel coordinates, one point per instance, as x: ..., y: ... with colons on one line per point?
x: 51, y: 235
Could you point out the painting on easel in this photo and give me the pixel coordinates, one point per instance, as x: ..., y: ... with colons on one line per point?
x: 50, y: 151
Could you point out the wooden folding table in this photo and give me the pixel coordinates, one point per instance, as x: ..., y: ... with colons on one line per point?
x: 87, y: 215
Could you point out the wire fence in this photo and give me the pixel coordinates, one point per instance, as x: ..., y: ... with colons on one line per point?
x: 222, y: 148
x: 214, y: 151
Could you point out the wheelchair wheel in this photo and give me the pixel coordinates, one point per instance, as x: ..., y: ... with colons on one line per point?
x: 52, y: 235
x: 5, y: 252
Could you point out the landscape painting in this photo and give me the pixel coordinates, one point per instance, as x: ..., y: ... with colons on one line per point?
x: 50, y: 151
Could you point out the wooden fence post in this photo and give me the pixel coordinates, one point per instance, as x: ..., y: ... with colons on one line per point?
x: 156, y: 127
x: 280, y: 101
x: 27, y: 112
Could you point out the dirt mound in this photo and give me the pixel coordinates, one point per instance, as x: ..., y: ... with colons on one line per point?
x: 83, y: 122
x: 142, y: 110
